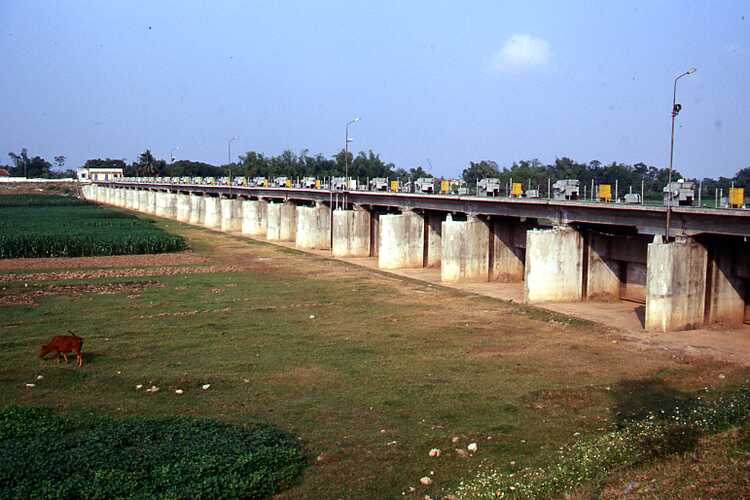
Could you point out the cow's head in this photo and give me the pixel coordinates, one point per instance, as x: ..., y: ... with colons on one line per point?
x: 43, y: 351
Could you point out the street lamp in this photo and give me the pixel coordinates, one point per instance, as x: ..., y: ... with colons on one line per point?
x: 346, y: 152
x: 229, y: 157
x: 172, y: 152
x: 675, y: 111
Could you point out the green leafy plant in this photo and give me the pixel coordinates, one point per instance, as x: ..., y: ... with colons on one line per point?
x: 48, y: 456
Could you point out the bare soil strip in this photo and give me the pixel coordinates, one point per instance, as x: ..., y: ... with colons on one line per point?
x: 116, y: 273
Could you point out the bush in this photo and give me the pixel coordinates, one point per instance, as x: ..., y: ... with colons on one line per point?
x: 47, y: 456
x: 57, y: 226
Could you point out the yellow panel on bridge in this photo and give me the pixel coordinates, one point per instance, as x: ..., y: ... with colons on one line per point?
x: 317, y: 183
x: 736, y: 197
x: 394, y: 186
x: 605, y: 192
x: 445, y: 186
x: 516, y: 190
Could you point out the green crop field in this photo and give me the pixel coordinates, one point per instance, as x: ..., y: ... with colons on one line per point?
x: 58, y: 226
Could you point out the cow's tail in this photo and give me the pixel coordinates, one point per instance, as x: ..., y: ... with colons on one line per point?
x: 73, y: 334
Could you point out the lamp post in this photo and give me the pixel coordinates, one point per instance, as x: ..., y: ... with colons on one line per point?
x: 229, y: 157
x: 675, y: 111
x: 172, y: 152
x: 346, y: 152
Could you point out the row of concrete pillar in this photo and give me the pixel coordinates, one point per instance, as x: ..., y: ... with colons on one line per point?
x: 684, y: 284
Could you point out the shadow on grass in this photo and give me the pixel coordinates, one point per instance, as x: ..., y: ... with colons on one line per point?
x: 637, y: 400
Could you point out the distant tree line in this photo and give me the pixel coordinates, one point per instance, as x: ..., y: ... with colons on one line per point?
x: 23, y: 165
x: 626, y: 176
x: 369, y: 165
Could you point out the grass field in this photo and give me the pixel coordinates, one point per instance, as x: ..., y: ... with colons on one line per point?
x: 61, y: 226
x: 371, y: 371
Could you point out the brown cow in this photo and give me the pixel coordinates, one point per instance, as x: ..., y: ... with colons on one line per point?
x: 63, y: 344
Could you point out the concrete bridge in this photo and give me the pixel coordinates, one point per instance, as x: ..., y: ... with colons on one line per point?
x: 560, y: 251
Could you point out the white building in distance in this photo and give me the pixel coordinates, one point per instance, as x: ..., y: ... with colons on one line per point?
x: 98, y: 174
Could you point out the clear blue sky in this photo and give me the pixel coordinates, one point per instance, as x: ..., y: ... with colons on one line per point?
x: 431, y: 80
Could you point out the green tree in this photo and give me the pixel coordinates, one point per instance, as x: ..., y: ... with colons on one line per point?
x: 480, y: 170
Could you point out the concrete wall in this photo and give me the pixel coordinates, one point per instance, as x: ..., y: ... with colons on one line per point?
x: 254, y: 217
x: 554, y: 265
x: 211, y: 212
x: 603, y: 273
x: 675, y: 285
x: 281, y: 221
x: 434, y: 240
x: 725, y: 288
x: 143, y: 200
x: 313, y: 227
x: 401, y: 241
x: 196, y: 209
x: 231, y: 214
x: 465, y: 251
x: 183, y: 207
x: 508, y: 250
x: 351, y: 233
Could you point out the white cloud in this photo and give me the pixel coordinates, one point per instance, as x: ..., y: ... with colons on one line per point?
x: 521, y: 52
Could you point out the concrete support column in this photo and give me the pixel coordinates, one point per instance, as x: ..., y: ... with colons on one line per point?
x: 211, y: 212
x: 313, y: 227
x: 254, y: 217
x: 508, y: 249
x: 554, y: 265
x: 183, y: 207
x: 401, y: 241
x: 196, y: 209
x: 136, y: 199
x: 433, y: 239
x: 465, y: 251
x: 725, y: 289
x: 143, y: 200
x: 675, y: 285
x: 231, y: 214
x: 281, y: 221
x: 162, y: 203
x: 151, y: 202
x: 351, y: 233
x: 119, y: 197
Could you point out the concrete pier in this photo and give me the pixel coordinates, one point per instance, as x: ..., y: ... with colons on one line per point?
x: 151, y: 202
x: 142, y: 200
x: 554, y: 265
x: 183, y: 207
x: 281, y: 221
x: 231, y: 214
x: 675, y: 285
x: 401, y: 241
x: 211, y: 212
x: 254, y: 217
x: 465, y: 250
x: 165, y: 204
x: 196, y: 209
x: 351, y: 233
x: 313, y: 227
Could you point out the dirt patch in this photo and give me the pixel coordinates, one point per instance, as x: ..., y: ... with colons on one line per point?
x: 164, y: 259
x: 29, y: 298
x: 117, y: 273
x: 303, y: 376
